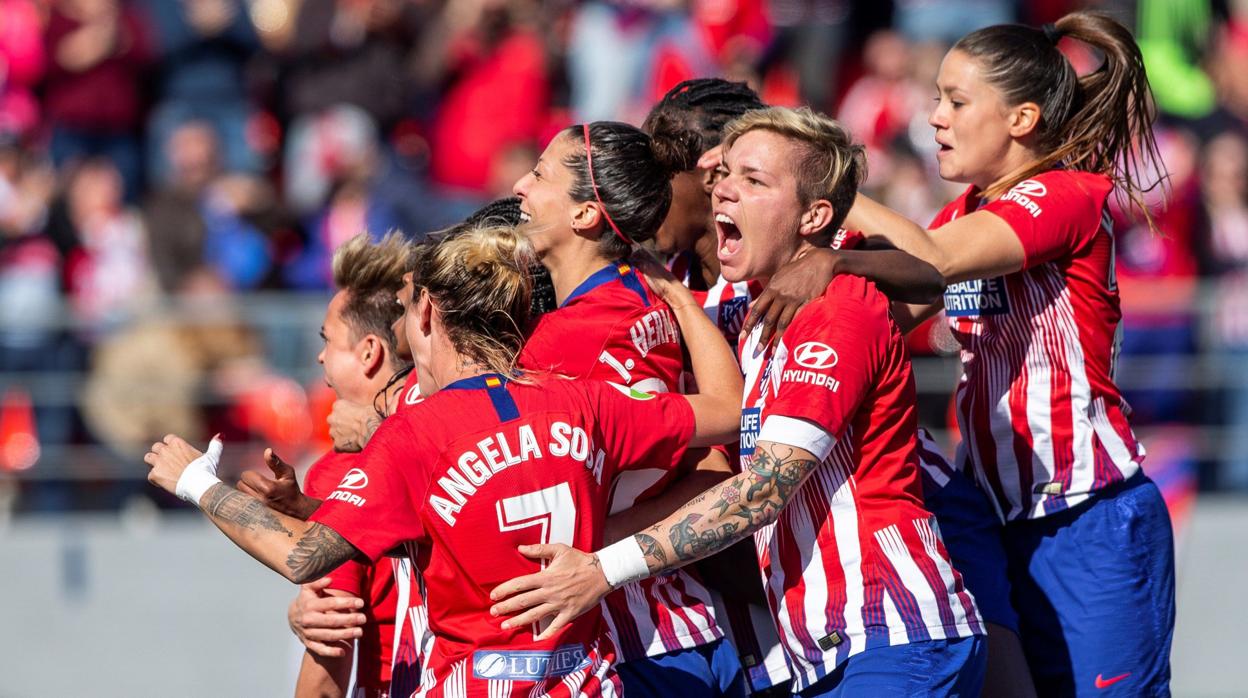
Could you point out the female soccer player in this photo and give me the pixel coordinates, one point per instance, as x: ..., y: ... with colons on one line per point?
x: 596, y: 191
x: 690, y: 120
x: 1029, y: 250
x: 857, y: 577
x: 490, y: 459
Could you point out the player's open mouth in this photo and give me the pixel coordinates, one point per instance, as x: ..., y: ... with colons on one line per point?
x: 525, y: 216
x: 729, y: 236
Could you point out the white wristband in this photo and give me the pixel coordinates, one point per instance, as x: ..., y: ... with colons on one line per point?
x: 193, y: 484
x: 200, y: 474
x: 623, y: 562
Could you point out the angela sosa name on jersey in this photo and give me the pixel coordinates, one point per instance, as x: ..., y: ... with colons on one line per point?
x: 495, y: 453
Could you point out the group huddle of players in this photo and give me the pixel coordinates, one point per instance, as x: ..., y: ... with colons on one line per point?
x: 548, y: 445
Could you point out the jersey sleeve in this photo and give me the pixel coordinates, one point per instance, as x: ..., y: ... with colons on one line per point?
x: 351, y: 577
x: 374, y: 506
x: 642, y: 430
x: 1053, y: 214
x: 832, y: 353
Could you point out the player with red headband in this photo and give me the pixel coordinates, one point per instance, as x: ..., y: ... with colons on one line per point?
x: 857, y: 576
x: 596, y: 190
x: 490, y: 459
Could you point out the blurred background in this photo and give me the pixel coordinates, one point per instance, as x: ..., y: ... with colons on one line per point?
x: 175, y: 174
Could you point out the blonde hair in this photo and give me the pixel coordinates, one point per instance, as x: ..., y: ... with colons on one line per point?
x: 371, y: 273
x: 479, y: 280
x: 832, y: 166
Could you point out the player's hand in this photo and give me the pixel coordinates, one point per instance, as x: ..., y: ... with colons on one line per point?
x: 794, y: 285
x: 281, y: 493
x: 351, y: 425
x: 171, y: 457
x: 325, y: 624
x: 664, y: 284
x: 571, y: 584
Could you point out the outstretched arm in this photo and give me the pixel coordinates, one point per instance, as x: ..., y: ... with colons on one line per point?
x: 974, y: 246
x: 574, y: 581
x: 298, y: 550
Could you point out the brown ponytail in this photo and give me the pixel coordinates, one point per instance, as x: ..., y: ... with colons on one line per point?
x: 1101, y: 122
x: 480, y: 282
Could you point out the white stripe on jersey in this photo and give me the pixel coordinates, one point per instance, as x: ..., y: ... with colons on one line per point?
x: 912, y: 578
x: 929, y: 531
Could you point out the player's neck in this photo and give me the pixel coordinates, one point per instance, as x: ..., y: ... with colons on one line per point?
x: 570, y: 266
x: 704, y: 248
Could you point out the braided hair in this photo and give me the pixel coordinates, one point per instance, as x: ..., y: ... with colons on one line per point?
x: 690, y: 118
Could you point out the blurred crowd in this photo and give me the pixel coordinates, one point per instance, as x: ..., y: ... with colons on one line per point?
x: 163, y: 161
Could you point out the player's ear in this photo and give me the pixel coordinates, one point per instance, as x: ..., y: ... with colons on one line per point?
x: 371, y: 353
x: 584, y: 216
x: 424, y: 312
x: 816, y: 218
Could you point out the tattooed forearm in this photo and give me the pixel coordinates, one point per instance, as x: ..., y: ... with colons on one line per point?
x: 729, y: 511
x: 651, y: 549
x: 319, y: 551
x: 228, y: 504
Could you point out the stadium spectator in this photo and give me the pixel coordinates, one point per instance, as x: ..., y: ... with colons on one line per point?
x: 203, y: 48
x: 22, y: 62
x: 99, y: 52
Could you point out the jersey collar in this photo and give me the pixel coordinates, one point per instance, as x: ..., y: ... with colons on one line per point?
x: 618, y: 269
x: 481, y: 382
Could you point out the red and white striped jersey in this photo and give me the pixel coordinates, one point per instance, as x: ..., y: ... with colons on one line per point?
x: 854, y: 561
x: 1043, y: 425
x: 476, y: 470
x: 727, y: 303
x: 613, y: 328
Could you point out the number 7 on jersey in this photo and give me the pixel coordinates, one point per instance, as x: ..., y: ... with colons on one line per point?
x: 552, y: 510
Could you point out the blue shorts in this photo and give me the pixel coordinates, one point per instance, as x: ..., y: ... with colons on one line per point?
x: 707, y: 670
x: 929, y: 668
x: 1094, y: 587
x: 972, y: 535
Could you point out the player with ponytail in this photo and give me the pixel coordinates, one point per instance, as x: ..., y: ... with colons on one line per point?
x: 1028, y: 250
x: 597, y: 190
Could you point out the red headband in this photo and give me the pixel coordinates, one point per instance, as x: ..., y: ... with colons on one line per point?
x: 589, y: 160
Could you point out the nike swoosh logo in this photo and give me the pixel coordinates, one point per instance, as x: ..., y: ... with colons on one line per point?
x: 1102, y: 682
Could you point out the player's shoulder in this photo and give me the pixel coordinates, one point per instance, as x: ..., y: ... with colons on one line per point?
x: 845, y: 294
x: 327, y: 471
x: 1070, y: 191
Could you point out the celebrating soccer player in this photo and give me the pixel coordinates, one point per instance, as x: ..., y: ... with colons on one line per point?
x: 489, y: 460
x: 1030, y: 253
x: 596, y: 191
x: 857, y: 576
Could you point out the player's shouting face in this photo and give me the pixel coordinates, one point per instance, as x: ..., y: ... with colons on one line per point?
x: 759, y: 219
x: 545, y: 204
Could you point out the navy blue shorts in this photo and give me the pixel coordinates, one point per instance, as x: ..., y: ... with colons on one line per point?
x: 708, y: 670
x: 952, y: 668
x: 1094, y: 587
x: 972, y: 535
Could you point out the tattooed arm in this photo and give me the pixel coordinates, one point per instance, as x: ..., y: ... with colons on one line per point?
x: 298, y: 550
x: 573, y: 581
